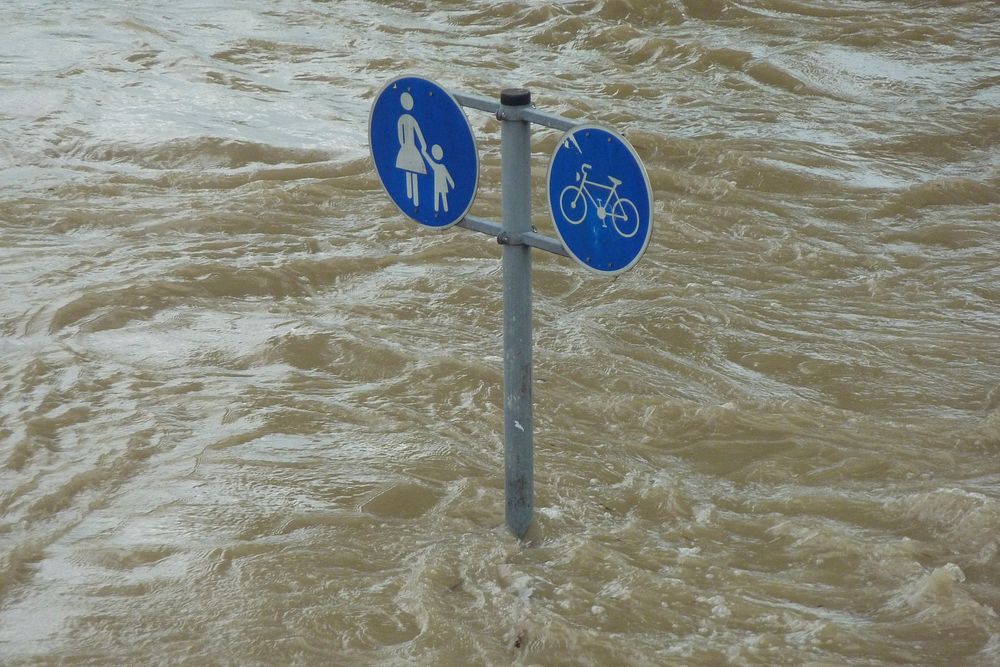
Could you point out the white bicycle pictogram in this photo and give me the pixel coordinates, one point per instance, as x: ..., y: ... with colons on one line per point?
x: 575, y: 200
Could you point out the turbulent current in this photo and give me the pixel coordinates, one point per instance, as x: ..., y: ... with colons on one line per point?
x: 253, y: 415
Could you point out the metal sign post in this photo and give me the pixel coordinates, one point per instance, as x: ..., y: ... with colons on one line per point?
x: 421, y: 144
x: 515, y: 196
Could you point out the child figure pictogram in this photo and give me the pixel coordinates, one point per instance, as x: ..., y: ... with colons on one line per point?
x: 443, y: 182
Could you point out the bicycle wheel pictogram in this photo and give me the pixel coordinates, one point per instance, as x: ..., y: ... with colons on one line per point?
x: 573, y: 204
x: 625, y: 218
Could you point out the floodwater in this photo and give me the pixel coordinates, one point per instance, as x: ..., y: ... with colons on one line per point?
x: 252, y: 415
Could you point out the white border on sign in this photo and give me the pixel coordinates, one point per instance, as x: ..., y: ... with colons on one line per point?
x: 645, y: 177
x: 475, y: 146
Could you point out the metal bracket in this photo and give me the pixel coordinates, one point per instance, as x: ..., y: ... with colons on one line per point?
x: 527, y: 113
x: 532, y: 238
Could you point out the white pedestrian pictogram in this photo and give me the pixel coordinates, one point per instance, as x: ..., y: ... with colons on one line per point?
x: 443, y: 182
x: 409, y: 157
x: 415, y: 161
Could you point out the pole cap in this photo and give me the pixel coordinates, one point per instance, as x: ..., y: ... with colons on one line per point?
x: 515, y: 97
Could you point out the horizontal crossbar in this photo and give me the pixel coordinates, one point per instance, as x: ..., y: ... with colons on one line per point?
x: 526, y: 113
x: 533, y: 239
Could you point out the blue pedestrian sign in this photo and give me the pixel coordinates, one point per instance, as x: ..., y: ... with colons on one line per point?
x: 424, y: 151
x: 600, y: 199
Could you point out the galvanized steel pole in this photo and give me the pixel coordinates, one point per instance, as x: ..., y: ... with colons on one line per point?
x: 515, y: 157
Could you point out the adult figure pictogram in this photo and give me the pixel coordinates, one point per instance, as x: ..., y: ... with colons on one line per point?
x: 409, y: 158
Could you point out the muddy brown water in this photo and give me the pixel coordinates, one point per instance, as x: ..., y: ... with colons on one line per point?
x: 251, y: 415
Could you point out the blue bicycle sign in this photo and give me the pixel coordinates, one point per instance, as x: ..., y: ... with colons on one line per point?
x: 600, y: 199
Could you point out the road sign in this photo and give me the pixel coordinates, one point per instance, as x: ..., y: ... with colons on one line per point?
x: 424, y: 151
x: 599, y: 196
x: 600, y: 199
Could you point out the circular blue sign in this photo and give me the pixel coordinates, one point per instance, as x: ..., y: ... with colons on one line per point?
x: 600, y: 199
x: 424, y: 151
